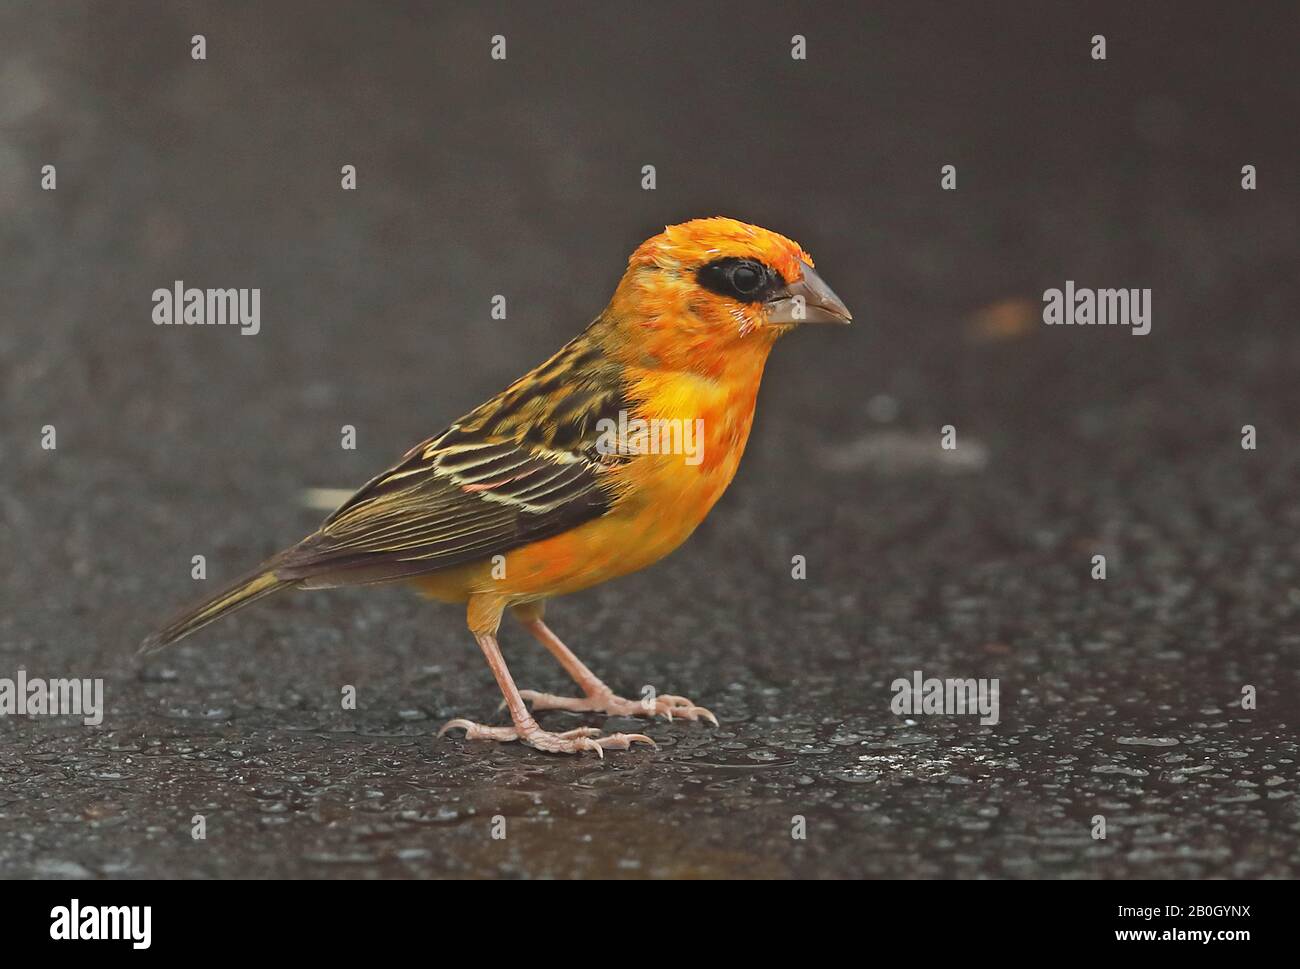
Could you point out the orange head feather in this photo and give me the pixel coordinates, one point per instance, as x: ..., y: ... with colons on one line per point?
x: 692, y: 244
x: 704, y: 290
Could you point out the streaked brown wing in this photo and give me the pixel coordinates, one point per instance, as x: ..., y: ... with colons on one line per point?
x: 457, y: 498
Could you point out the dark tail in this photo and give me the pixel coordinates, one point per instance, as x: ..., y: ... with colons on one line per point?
x: 257, y: 585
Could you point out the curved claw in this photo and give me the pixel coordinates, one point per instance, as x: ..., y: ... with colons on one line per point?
x: 623, y: 741
x: 687, y: 709
x: 458, y: 723
x: 699, y: 713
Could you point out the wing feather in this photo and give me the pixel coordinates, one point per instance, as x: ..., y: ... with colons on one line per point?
x: 520, y: 468
x: 437, y: 509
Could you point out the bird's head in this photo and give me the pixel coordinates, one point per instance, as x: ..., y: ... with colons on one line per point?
x: 720, y: 283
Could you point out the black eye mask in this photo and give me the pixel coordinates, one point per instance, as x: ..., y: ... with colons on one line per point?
x: 746, y: 280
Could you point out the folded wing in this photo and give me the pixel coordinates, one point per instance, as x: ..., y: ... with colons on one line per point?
x: 457, y: 498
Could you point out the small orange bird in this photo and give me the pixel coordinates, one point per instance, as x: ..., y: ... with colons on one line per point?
x: 597, y: 463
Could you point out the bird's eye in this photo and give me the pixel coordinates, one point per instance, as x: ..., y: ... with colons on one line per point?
x: 746, y: 280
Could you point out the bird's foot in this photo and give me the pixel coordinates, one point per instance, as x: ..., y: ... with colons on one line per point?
x: 569, y: 742
x: 661, y: 705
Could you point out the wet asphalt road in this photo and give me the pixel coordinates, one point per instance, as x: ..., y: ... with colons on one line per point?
x: 1119, y: 698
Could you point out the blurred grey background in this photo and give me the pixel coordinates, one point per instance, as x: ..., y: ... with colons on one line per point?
x: 522, y: 177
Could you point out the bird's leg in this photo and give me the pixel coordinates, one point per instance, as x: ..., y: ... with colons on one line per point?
x: 599, y: 697
x: 525, y: 728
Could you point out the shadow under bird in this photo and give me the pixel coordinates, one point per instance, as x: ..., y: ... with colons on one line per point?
x: 558, y: 483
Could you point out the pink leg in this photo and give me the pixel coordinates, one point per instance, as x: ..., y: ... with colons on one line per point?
x: 599, y: 697
x: 525, y: 728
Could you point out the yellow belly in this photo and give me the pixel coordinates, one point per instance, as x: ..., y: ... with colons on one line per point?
x: 661, y: 501
x: 662, y: 498
x: 642, y: 528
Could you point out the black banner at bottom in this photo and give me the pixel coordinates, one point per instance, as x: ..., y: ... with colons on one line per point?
x: 335, y: 918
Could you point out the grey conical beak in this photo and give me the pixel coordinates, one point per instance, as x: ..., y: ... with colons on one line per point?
x: 807, y: 300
